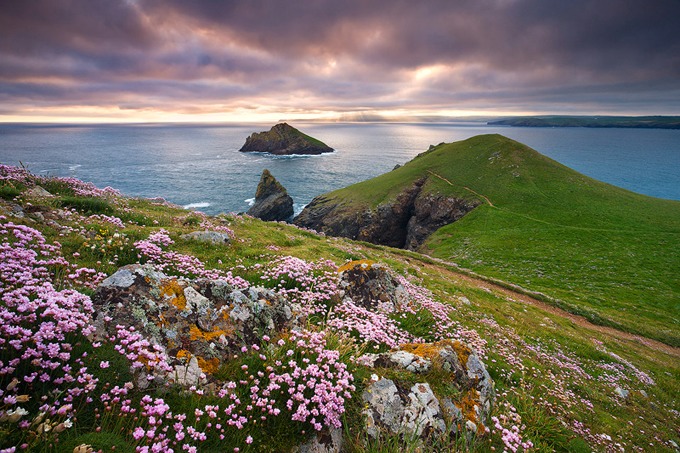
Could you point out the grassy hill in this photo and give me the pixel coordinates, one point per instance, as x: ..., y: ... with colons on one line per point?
x: 598, y: 250
x: 562, y: 383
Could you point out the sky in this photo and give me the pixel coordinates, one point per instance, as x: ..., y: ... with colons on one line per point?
x: 335, y: 60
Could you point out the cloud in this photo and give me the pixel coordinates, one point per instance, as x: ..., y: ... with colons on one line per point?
x: 349, y: 56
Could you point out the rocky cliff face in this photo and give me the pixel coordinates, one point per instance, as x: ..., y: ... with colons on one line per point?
x: 272, y: 201
x: 404, y: 223
x: 284, y: 139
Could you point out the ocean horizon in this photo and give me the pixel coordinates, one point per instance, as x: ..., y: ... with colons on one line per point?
x: 198, y: 166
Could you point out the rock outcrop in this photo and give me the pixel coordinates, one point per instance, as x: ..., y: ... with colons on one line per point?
x: 284, y: 140
x: 416, y: 409
x: 424, y: 390
x: 272, y: 201
x: 403, y: 223
x: 198, y: 323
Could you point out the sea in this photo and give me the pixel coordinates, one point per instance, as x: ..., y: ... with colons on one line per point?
x: 200, y: 166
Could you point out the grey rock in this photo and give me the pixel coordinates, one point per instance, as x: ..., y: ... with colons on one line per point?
x: 202, y: 320
x: 385, y: 409
x: 212, y: 237
x: 272, y: 201
x: 123, y: 278
x: 17, y: 211
x: 324, y: 442
x: 368, y: 286
x: 407, y: 361
x: 38, y: 192
x: 621, y: 392
x: 423, y: 413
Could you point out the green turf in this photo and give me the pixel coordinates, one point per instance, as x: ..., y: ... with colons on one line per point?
x: 606, y: 252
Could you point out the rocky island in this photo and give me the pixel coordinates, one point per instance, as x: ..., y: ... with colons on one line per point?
x: 272, y: 201
x: 284, y: 140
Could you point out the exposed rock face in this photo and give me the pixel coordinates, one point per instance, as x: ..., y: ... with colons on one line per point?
x: 404, y: 223
x: 197, y: 323
x: 282, y: 140
x: 272, y: 201
x: 416, y: 409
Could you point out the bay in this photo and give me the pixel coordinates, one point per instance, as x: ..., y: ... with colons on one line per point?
x: 199, y: 166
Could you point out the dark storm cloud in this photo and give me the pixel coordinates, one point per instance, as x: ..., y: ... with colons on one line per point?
x: 343, y: 55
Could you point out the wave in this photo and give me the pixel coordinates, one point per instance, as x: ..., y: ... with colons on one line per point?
x: 201, y: 204
x: 74, y: 167
x: 297, y: 209
x: 289, y: 156
x: 250, y: 201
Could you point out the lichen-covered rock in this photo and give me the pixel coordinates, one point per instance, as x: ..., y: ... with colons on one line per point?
x: 371, y: 284
x: 416, y: 409
x: 213, y: 237
x: 385, y: 409
x: 199, y: 323
x: 272, y: 201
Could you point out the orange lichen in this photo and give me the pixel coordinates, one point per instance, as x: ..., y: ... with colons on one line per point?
x: 208, y: 365
x: 365, y: 264
x: 171, y: 289
x: 197, y: 334
x: 425, y: 350
x: 468, y: 405
x: 432, y: 350
x: 183, y: 353
x: 462, y: 350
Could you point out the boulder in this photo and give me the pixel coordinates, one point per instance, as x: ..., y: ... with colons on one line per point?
x: 284, y: 139
x: 212, y: 237
x: 369, y: 284
x: 415, y: 409
x: 272, y: 201
x: 198, y: 323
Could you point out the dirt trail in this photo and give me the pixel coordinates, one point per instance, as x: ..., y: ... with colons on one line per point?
x: 576, y: 319
x: 464, y: 187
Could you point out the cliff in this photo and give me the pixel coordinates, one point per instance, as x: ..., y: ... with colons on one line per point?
x: 406, y: 222
x: 283, y: 140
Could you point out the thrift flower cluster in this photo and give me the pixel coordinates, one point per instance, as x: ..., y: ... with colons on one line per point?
x: 153, y: 250
x: 38, y: 328
x: 312, y: 285
x: 296, y: 378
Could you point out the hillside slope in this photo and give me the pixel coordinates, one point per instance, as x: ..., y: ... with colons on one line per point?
x: 561, y: 383
x: 604, y: 252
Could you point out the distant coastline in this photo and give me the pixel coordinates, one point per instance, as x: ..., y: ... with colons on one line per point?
x: 646, y: 122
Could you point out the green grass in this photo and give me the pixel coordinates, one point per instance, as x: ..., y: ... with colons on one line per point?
x: 605, y: 252
x: 87, y: 205
x: 513, y: 249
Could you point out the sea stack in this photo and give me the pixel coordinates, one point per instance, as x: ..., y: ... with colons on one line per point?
x: 284, y: 140
x: 272, y: 201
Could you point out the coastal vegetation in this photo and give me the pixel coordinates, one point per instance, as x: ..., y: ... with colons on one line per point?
x: 561, y: 383
x: 591, y: 248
